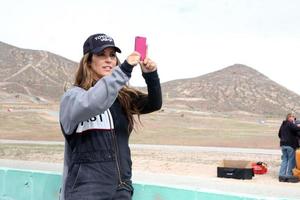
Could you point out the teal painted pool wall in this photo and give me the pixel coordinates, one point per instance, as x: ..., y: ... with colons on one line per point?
x: 16, y: 184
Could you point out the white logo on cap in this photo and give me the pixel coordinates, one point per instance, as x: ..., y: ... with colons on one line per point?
x: 103, y: 38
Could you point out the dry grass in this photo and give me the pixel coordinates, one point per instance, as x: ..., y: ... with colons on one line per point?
x: 33, y: 152
x: 212, y: 130
x: 30, y: 122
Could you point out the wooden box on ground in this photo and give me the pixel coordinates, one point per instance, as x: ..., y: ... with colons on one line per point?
x: 238, y: 169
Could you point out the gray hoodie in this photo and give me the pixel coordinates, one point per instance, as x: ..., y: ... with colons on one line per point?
x: 79, y: 105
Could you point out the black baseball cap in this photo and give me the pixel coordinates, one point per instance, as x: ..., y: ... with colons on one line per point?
x: 97, y: 42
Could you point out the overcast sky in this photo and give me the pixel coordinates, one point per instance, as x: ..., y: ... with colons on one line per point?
x: 187, y: 38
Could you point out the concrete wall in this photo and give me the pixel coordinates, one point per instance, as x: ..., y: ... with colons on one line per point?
x: 28, y: 185
x: 36, y: 185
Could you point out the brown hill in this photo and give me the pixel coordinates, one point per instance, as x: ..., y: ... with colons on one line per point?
x: 32, y: 75
x: 40, y: 76
x: 237, y: 88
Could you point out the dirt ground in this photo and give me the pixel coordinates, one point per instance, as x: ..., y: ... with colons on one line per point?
x: 154, y: 160
x: 167, y: 127
x: 180, y: 166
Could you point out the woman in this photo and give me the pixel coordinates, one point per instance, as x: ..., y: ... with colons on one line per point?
x: 96, y: 118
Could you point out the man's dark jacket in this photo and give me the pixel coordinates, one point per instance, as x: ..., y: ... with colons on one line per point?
x: 288, y: 133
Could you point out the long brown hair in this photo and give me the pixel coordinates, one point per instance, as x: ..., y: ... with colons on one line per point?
x: 84, y: 78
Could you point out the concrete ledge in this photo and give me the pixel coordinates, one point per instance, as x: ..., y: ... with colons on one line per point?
x: 18, y: 184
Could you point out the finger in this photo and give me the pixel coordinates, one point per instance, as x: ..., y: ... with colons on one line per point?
x: 136, y: 59
x: 146, y: 60
x: 148, y: 66
x: 135, y: 53
x: 153, y: 64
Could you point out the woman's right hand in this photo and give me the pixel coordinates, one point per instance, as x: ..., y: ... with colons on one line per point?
x: 134, y: 58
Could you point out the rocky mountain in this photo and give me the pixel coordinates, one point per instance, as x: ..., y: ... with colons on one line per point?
x: 31, y: 75
x: 40, y: 76
x: 237, y: 88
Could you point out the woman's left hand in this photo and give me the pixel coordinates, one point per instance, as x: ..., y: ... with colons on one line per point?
x: 148, y: 65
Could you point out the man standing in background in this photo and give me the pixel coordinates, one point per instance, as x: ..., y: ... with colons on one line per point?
x: 289, y: 143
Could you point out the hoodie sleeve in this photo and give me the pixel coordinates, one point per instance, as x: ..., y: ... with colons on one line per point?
x: 153, y: 100
x: 279, y: 132
x: 78, y: 105
x: 294, y: 128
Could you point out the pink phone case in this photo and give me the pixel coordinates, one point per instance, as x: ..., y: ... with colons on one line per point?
x: 141, y: 46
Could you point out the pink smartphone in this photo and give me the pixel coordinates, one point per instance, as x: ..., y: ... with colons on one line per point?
x: 141, y: 46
